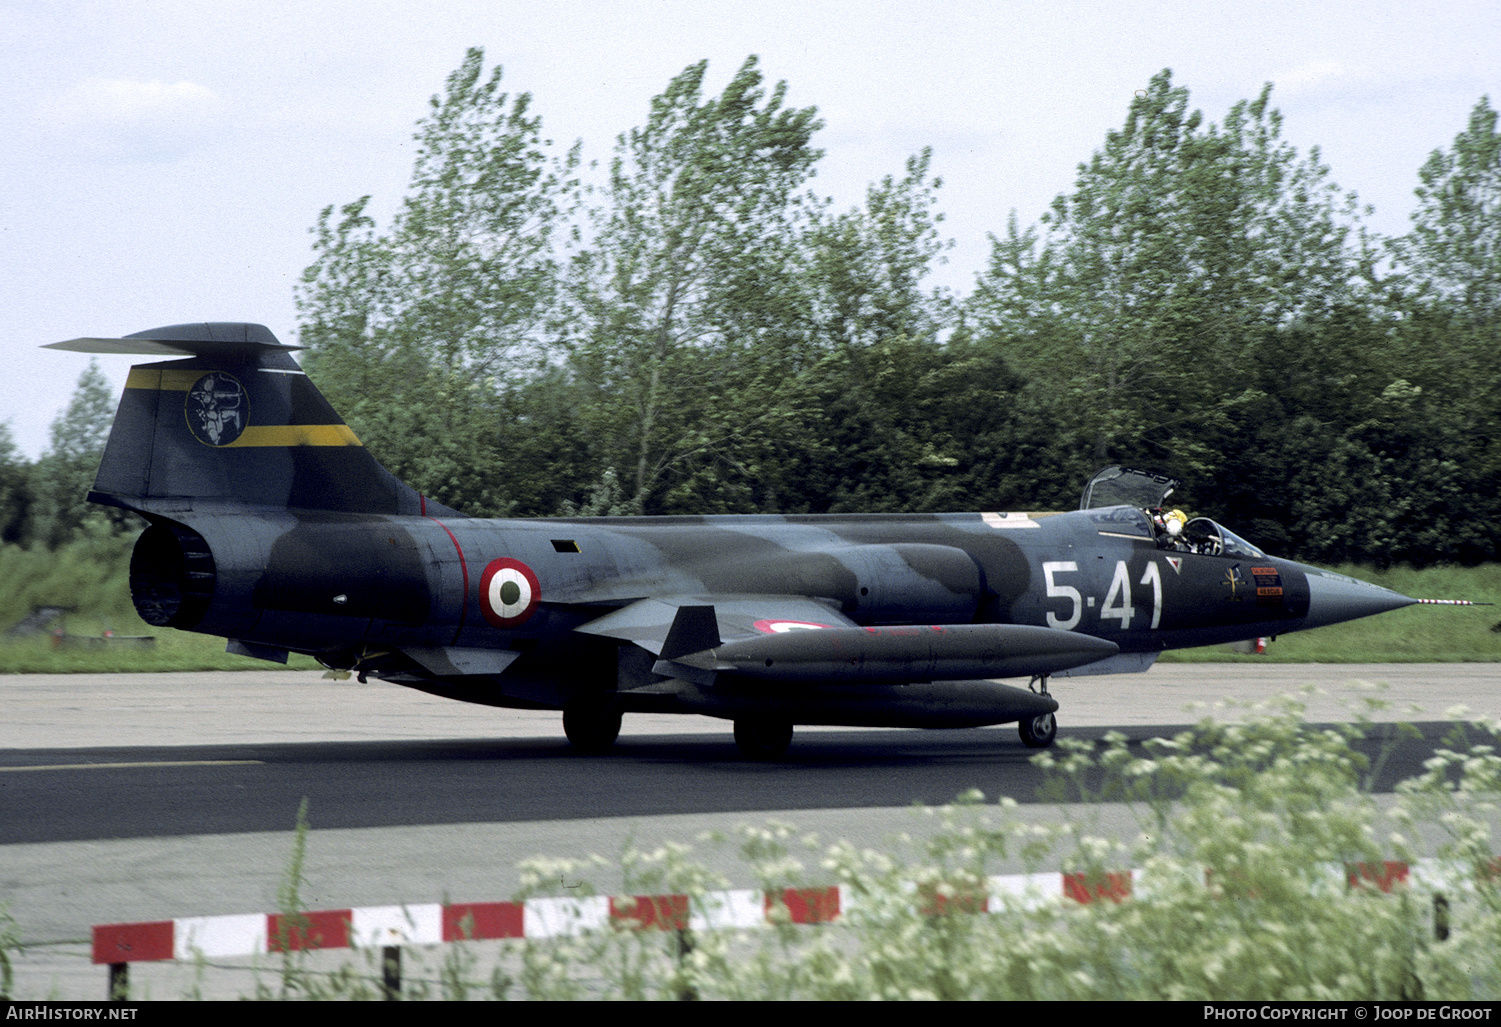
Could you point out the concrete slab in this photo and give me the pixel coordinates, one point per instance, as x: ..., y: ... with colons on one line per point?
x: 83, y: 710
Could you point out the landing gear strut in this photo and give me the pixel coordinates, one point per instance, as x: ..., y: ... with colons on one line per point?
x: 1038, y: 732
x: 762, y: 739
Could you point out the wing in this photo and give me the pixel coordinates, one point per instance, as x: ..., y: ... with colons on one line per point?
x: 779, y: 638
x: 649, y: 622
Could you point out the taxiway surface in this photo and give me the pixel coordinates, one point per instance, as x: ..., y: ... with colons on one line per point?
x: 119, y: 735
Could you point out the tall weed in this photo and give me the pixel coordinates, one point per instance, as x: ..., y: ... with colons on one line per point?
x: 1259, y: 872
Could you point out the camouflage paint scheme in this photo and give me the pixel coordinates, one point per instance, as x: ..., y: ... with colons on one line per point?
x: 272, y: 526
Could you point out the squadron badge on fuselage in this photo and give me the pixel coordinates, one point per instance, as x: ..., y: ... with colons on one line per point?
x: 217, y: 409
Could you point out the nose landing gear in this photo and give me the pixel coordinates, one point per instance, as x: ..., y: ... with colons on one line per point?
x: 1038, y: 732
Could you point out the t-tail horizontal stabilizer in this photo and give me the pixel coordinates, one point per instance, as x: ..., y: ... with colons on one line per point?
x: 235, y: 423
x: 215, y: 338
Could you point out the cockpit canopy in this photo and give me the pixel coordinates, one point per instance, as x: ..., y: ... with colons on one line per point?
x: 1123, y: 486
x: 1146, y: 494
x: 1201, y: 535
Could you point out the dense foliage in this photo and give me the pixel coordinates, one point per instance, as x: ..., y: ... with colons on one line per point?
x: 699, y: 331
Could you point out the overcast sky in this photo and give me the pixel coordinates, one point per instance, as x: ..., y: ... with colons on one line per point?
x: 163, y: 160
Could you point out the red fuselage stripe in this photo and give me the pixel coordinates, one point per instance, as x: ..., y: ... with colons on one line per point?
x: 464, y: 568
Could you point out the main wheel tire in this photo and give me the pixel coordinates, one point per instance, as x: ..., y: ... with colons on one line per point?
x: 591, y: 730
x: 760, y: 739
x: 1038, y: 732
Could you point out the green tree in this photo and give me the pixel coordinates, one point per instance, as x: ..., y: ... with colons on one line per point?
x: 15, y: 488
x: 899, y: 418
x: 870, y: 262
x: 1448, y: 291
x: 417, y: 332
x: 688, y: 313
x: 1453, y: 253
x: 1442, y: 442
x: 61, y: 479
x: 1180, y: 243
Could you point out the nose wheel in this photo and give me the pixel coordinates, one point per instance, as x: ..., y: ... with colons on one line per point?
x: 1038, y: 732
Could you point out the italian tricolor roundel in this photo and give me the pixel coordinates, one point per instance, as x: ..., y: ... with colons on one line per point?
x: 778, y: 627
x: 508, y: 592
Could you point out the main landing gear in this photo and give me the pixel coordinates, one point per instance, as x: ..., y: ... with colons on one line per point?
x: 762, y: 738
x: 1038, y: 732
x: 591, y: 728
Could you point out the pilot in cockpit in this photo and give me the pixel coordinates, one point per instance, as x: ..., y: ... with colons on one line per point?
x: 1168, y: 526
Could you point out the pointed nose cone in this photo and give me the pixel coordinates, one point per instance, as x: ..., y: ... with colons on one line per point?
x: 1333, y: 598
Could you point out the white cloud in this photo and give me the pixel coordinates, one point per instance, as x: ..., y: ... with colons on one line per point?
x: 1310, y: 76
x: 124, y: 120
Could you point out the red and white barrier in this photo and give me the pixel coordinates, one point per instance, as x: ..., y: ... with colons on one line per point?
x: 393, y: 927
x: 432, y: 924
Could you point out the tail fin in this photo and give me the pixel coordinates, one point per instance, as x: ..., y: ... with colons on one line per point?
x: 237, y: 421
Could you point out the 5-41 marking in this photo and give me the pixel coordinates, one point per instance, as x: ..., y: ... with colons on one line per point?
x: 1118, y: 605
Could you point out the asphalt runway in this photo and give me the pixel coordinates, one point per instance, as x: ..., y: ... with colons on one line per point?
x: 179, y: 790
x: 64, y: 711
x: 65, y: 795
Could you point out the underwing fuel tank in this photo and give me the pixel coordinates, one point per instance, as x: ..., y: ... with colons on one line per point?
x: 939, y: 652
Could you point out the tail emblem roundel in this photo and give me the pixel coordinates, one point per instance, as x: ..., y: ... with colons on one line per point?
x: 217, y: 409
x: 509, y: 592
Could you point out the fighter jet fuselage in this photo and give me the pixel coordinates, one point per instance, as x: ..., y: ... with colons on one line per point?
x: 271, y: 525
